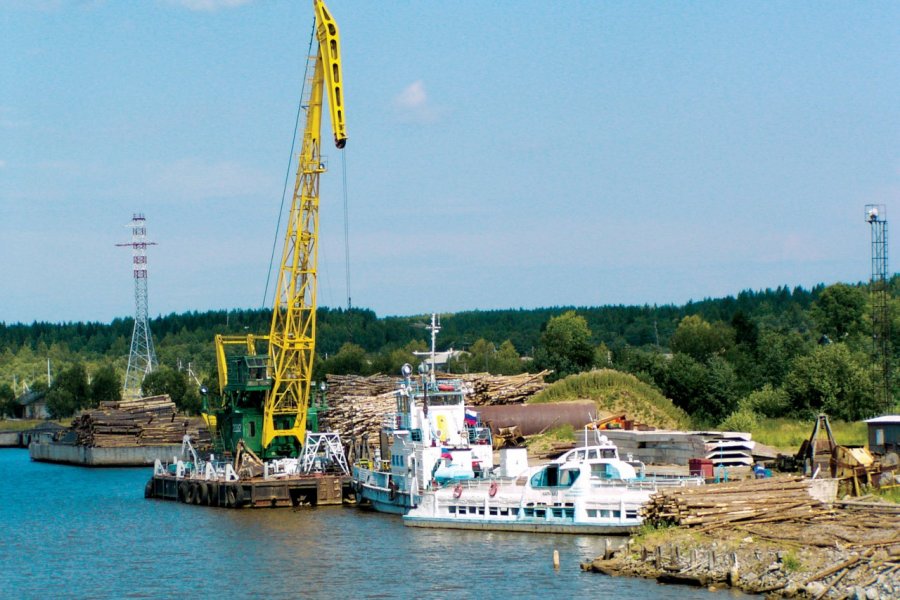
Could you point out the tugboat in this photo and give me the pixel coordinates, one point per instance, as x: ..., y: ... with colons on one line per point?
x: 428, y: 441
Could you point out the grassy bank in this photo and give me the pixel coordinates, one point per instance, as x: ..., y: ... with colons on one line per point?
x: 617, y: 392
x: 24, y: 424
x: 788, y: 434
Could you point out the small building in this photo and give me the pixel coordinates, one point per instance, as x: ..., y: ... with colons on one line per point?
x: 884, y: 434
x: 32, y: 405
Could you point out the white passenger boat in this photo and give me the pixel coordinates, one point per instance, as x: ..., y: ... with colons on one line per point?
x: 430, y: 440
x: 587, y: 490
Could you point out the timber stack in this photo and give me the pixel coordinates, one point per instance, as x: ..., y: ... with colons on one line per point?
x: 151, y: 421
x: 489, y: 390
x: 760, y: 500
x: 357, y: 404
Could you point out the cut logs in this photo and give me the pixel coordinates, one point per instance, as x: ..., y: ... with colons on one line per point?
x: 357, y: 405
x: 759, y: 500
x: 151, y: 421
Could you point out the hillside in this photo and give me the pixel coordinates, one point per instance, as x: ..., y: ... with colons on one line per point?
x: 616, y: 392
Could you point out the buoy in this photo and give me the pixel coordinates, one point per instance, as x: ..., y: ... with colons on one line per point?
x: 556, y: 559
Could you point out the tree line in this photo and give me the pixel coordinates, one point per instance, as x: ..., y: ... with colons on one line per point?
x: 769, y: 353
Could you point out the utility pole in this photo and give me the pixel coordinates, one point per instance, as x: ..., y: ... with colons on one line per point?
x: 142, y: 357
x: 876, y: 217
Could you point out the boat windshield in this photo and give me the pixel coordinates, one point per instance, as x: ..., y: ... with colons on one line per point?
x: 605, y: 471
x: 553, y: 476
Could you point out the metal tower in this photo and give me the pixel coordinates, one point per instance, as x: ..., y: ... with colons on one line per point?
x: 876, y: 216
x: 142, y: 358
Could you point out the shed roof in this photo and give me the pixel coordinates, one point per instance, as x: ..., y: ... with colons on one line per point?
x: 885, y: 419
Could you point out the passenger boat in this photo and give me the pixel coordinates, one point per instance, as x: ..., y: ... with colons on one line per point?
x: 587, y: 490
x: 429, y: 440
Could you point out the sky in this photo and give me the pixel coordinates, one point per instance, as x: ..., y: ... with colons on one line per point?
x: 500, y: 154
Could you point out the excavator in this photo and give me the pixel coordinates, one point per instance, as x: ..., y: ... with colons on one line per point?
x: 263, y: 405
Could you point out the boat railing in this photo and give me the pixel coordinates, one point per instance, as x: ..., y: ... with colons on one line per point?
x: 395, y: 421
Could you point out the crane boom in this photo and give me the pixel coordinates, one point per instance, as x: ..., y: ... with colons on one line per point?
x: 293, y: 331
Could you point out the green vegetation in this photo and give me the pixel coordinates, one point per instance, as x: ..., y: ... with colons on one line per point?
x: 736, y: 361
x: 788, y: 434
x: 791, y: 562
x: 616, y: 392
x: 888, y: 494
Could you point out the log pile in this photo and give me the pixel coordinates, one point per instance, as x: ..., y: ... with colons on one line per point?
x: 490, y: 389
x: 357, y: 404
x: 151, y: 421
x: 750, y: 501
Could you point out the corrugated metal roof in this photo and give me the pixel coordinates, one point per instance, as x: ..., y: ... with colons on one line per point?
x: 885, y: 419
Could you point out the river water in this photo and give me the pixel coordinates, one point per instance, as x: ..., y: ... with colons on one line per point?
x: 72, y: 532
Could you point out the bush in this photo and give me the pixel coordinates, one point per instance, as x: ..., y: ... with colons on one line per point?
x: 740, y: 420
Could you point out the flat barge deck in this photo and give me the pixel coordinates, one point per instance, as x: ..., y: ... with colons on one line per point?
x: 258, y: 492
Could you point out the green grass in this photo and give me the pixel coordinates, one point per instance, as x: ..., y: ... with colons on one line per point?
x: 889, y: 494
x: 788, y: 434
x: 24, y: 424
x: 617, y: 392
x: 791, y: 563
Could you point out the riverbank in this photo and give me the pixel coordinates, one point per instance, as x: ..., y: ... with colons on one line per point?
x: 847, y: 550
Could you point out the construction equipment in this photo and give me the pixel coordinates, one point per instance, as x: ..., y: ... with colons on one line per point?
x: 264, y: 398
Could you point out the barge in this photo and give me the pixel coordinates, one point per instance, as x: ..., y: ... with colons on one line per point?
x: 319, y: 477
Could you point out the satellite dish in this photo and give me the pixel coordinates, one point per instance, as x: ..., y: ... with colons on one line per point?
x: 406, y: 370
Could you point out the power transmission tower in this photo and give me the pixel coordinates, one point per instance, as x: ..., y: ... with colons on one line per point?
x: 142, y: 358
x: 876, y: 216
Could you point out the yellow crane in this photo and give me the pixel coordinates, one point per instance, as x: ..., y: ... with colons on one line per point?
x: 285, y: 391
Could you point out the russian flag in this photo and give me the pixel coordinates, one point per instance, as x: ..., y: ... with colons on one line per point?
x: 471, y: 418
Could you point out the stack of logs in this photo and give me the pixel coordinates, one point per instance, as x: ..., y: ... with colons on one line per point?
x: 750, y: 501
x: 357, y: 405
x: 488, y: 390
x: 150, y: 421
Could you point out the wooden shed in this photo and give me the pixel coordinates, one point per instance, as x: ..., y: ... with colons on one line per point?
x: 884, y: 434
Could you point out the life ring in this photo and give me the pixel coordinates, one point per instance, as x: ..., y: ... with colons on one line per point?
x: 493, y: 489
x: 457, y: 490
x: 445, y: 387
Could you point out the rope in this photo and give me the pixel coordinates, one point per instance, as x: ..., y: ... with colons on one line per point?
x: 287, y: 174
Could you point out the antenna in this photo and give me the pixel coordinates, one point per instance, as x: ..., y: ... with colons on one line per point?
x: 142, y: 358
x: 876, y: 217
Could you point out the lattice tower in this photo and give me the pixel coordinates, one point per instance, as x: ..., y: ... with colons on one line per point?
x: 142, y: 358
x: 876, y: 216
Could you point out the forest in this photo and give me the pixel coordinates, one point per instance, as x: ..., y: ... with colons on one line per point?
x: 726, y: 361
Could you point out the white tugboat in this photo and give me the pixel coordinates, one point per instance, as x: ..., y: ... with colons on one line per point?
x: 428, y: 441
x: 586, y: 490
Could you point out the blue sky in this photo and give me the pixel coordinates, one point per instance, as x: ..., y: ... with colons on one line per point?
x: 502, y: 154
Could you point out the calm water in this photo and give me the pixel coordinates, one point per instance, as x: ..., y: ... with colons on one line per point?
x: 70, y: 532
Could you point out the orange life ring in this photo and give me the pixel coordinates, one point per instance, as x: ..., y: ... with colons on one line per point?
x: 493, y: 490
x: 457, y: 490
x: 445, y: 387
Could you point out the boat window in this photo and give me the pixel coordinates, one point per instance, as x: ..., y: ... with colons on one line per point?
x: 567, y: 477
x: 607, y: 453
x: 592, y: 454
x: 616, y: 514
x: 480, y: 510
x: 557, y: 512
x: 591, y: 513
x: 452, y: 510
x: 552, y: 476
x: 604, y: 514
x: 462, y: 510
x: 494, y: 511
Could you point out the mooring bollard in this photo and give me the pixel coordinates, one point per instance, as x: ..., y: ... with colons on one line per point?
x: 556, y: 559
